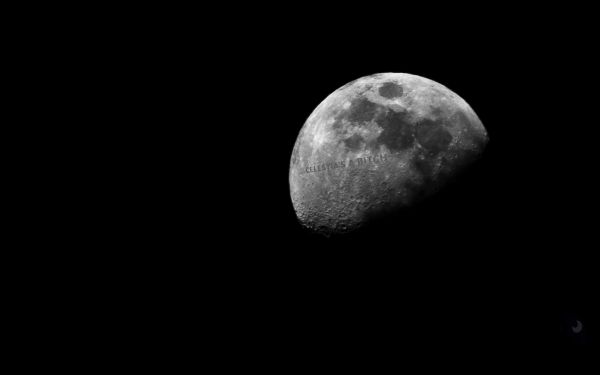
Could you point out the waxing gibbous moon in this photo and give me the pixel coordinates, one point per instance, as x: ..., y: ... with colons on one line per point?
x: 378, y: 144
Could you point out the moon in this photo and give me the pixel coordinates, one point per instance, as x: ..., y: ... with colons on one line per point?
x: 578, y: 327
x: 378, y: 144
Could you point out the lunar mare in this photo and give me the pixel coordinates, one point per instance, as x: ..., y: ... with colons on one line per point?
x: 412, y: 133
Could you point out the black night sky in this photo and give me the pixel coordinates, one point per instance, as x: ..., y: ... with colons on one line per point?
x: 502, y: 259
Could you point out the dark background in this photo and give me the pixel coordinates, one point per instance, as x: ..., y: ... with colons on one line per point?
x: 181, y: 220
x: 501, y: 260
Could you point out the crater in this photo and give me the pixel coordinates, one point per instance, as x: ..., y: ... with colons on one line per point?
x: 391, y: 90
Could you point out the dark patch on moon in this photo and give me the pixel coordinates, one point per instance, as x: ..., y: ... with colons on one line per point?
x: 391, y: 90
x: 353, y: 143
x: 413, y: 189
x: 436, y: 112
x: 461, y: 118
x: 362, y: 110
x: 424, y: 165
x: 433, y: 136
x: 398, y: 133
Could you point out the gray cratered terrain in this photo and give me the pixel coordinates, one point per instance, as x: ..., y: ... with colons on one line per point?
x: 378, y: 144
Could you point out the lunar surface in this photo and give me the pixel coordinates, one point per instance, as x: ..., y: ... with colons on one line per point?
x: 378, y: 144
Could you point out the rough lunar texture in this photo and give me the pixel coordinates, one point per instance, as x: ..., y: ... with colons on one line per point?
x: 379, y: 143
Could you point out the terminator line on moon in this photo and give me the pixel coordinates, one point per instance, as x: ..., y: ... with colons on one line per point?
x: 378, y: 144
